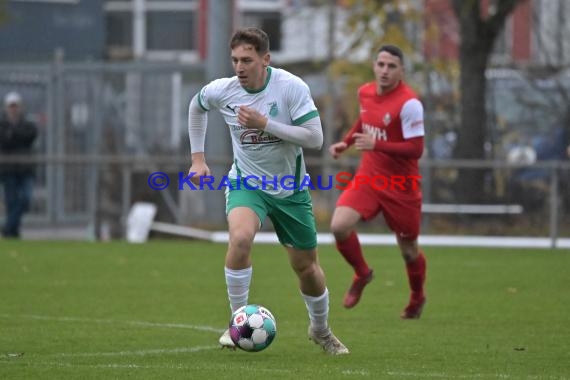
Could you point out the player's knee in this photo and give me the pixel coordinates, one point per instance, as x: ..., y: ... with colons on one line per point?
x: 339, y: 229
x: 410, y: 254
x: 308, y: 270
x: 241, y: 239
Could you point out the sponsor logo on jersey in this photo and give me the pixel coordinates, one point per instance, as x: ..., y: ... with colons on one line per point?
x: 253, y: 136
x: 387, y: 119
x: 377, y: 132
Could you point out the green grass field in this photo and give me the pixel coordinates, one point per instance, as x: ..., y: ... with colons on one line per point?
x: 73, y: 310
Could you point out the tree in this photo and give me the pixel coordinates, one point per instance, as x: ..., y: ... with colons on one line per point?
x: 480, y: 22
x: 372, y: 23
x: 479, y: 28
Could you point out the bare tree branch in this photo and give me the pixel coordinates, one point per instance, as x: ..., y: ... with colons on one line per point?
x: 496, y: 22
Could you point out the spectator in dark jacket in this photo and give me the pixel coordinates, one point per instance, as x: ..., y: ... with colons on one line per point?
x: 17, y: 135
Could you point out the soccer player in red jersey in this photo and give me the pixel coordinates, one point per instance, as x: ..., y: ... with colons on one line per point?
x: 389, y: 132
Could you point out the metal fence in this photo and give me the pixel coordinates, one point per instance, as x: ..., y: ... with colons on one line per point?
x: 99, y: 190
x: 95, y: 109
x: 104, y: 128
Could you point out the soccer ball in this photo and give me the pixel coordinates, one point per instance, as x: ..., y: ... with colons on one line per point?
x: 252, y: 328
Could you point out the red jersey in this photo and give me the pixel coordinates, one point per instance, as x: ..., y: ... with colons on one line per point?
x: 394, y: 117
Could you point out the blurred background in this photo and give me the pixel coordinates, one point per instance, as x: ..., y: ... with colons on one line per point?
x: 108, y: 84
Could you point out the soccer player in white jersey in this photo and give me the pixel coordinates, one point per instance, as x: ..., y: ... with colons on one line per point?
x: 271, y: 117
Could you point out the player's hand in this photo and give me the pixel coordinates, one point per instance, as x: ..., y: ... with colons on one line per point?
x: 250, y: 118
x: 201, y: 169
x: 364, y: 141
x: 336, y: 149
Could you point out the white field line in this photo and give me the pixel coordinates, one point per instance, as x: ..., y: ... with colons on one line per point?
x: 356, y: 372
x: 193, y: 367
x: 95, y: 366
x: 421, y: 375
x: 114, y: 322
x: 361, y: 372
x: 436, y: 375
x: 157, y: 351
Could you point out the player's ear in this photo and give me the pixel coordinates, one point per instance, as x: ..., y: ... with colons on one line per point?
x: 266, y: 59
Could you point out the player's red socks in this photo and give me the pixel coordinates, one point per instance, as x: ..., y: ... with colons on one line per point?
x: 352, y: 253
x: 417, y: 276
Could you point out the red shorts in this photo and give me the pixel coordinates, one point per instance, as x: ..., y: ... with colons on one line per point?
x: 402, y: 212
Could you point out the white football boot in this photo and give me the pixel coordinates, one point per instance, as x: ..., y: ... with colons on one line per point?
x: 226, y: 341
x: 329, y: 342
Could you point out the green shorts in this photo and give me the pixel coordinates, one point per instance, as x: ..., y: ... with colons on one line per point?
x: 292, y: 217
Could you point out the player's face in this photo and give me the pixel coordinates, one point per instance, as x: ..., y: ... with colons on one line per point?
x: 249, y: 66
x: 388, y: 71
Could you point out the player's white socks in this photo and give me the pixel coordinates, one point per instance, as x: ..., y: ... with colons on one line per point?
x: 318, y: 308
x: 237, y: 281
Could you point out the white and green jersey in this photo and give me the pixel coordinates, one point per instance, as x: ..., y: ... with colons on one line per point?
x: 284, y: 98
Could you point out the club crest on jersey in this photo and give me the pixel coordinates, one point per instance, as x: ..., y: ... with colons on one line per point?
x: 387, y: 119
x: 273, y: 110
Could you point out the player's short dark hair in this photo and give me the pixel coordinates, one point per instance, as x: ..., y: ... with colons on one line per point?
x: 392, y: 49
x: 251, y: 36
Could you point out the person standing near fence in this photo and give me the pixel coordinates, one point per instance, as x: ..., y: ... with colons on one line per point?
x: 389, y: 133
x: 17, y: 136
x: 271, y: 116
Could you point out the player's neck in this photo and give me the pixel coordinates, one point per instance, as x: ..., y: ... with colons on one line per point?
x: 260, y: 85
x: 385, y: 90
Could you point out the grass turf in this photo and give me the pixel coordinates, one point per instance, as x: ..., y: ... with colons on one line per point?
x: 73, y: 310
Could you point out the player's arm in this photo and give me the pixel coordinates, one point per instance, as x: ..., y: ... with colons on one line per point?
x: 411, y: 148
x: 412, y: 118
x: 338, y: 148
x: 356, y: 128
x: 350, y: 138
x: 308, y: 134
x: 197, y: 124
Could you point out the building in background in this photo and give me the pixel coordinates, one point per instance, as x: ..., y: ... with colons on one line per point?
x: 154, y: 30
x: 36, y: 30
x: 158, y: 30
x: 176, y: 30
